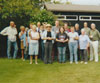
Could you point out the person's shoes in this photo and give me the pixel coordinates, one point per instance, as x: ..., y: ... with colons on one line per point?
x: 76, y: 62
x: 23, y: 59
x: 96, y: 61
x: 86, y: 63
x: 30, y: 62
x: 36, y: 63
x: 71, y: 62
x: 81, y: 62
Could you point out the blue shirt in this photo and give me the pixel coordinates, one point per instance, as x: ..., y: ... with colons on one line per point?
x: 23, y: 38
x: 83, y: 41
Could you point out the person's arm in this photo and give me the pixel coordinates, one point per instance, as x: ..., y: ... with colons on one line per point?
x: 98, y: 34
x: 43, y: 36
x: 4, y: 31
x: 88, y: 42
x: 20, y: 34
x: 76, y: 38
x: 16, y: 32
x: 38, y: 37
x: 26, y: 41
x: 57, y: 38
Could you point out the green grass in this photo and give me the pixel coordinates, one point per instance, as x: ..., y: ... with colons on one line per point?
x: 17, y: 71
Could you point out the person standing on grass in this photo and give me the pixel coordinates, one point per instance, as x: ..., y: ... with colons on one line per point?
x: 77, y: 29
x: 23, y: 39
x: 73, y: 45
x: 94, y: 44
x: 62, y: 40
x: 84, y: 44
x: 34, y: 44
x: 55, y: 29
x: 48, y: 37
x: 11, y: 32
x: 41, y: 42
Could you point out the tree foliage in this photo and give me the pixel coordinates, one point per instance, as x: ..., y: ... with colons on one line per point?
x: 23, y: 12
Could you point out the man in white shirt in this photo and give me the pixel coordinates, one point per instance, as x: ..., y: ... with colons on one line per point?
x: 11, y: 32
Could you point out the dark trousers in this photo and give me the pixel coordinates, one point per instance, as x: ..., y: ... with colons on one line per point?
x: 55, y: 52
x: 48, y: 51
x: 84, y: 55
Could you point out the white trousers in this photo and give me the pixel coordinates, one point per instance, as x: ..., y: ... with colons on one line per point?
x: 94, y: 45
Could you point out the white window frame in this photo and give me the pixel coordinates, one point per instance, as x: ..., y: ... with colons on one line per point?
x: 95, y: 19
x: 65, y: 18
x: 80, y: 19
x: 88, y: 19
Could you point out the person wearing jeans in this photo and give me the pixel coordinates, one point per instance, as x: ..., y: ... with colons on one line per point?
x: 48, y: 37
x: 84, y: 45
x: 62, y: 40
x: 94, y: 43
x: 14, y: 44
x: 11, y: 32
x: 73, y: 45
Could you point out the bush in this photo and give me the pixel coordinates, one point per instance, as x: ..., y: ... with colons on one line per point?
x: 43, y: 16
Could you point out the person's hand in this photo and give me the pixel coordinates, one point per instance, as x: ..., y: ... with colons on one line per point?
x: 91, y: 36
x: 22, y: 32
x: 49, y: 38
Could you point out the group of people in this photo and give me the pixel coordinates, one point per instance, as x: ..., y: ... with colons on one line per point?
x: 49, y: 41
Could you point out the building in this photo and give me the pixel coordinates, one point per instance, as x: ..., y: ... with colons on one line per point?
x: 76, y: 13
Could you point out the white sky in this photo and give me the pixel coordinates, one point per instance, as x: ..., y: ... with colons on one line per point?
x: 83, y: 2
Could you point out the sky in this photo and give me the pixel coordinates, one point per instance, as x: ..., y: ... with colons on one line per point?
x: 83, y: 2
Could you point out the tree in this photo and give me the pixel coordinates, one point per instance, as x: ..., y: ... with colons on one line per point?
x: 43, y: 16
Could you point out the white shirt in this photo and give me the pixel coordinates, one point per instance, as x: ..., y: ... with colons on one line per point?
x: 34, y: 35
x: 83, y: 41
x: 11, y: 32
x: 72, y: 36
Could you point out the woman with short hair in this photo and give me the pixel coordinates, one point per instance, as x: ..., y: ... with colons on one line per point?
x: 34, y: 44
x: 48, y: 37
x: 84, y: 44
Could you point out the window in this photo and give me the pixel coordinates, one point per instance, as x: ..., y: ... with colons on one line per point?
x: 67, y: 17
x: 89, y: 18
x: 95, y: 18
x: 61, y: 17
x: 84, y: 18
x: 71, y: 17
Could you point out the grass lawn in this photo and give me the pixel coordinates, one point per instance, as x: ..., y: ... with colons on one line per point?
x: 17, y: 71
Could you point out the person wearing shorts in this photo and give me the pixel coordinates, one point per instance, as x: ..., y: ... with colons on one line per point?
x: 34, y: 44
x: 22, y: 36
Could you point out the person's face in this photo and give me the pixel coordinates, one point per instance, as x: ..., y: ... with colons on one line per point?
x: 31, y: 26
x: 57, y: 23
x: 41, y: 28
x: 76, y: 26
x: 34, y: 29
x: 38, y: 24
x: 93, y: 26
x: 72, y: 29
x: 83, y: 32
x: 61, y: 30
x: 23, y: 29
x: 12, y: 24
x: 65, y: 26
x: 85, y: 24
x: 49, y: 28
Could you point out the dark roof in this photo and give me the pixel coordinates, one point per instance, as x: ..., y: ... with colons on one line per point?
x: 72, y: 8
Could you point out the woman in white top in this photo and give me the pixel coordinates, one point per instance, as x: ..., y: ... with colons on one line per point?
x: 34, y: 44
x: 73, y: 44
